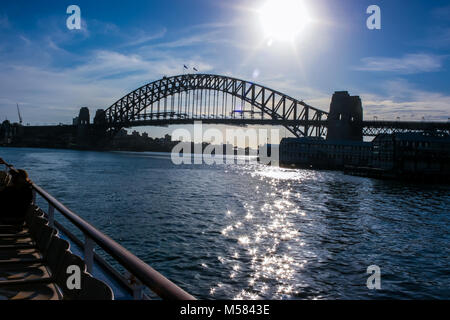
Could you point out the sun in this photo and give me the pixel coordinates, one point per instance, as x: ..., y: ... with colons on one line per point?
x: 284, y: 20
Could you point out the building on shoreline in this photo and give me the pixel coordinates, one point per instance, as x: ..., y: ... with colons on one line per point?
x: 318, y: 153
x: 422, y: 153
x: 415, y: 155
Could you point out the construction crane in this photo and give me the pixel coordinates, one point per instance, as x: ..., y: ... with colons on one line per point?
x: 18, y: 111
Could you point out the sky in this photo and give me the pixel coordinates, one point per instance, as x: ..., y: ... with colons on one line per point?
x: 401, y: 71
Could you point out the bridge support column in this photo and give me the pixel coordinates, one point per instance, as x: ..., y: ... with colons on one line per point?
x: 345, y: 117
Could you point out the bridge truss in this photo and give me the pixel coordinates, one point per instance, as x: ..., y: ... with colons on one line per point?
x: 213, y: 99
x: 374, y: 128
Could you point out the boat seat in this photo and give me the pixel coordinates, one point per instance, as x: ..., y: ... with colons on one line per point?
x: 36, y: 278
x: 36, y: 227
x: 42, y: 291
x: 47, y: 247
x: 19, y: 230
x: 20, y: 256
x: 90, y: 288
x: 7, y: 240
x: 26, y: 273
x: 51, y: 249
x: 33, y: 251
x: 34, y: 263
x: 34, y: 270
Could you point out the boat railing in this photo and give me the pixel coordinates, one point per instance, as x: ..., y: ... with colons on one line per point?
x: 149, y: 277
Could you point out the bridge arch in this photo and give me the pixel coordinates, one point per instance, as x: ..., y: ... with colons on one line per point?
x: 213, y: 99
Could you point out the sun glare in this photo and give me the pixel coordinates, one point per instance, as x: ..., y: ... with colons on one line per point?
x: 284, y: 20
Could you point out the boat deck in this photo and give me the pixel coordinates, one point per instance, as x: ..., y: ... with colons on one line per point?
x: 36, y: 264
x: 40, y: 258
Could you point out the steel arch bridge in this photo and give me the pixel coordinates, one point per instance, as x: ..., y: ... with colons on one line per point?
x: 213, y: 99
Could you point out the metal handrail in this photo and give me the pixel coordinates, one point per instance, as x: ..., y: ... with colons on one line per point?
x: 151, y: 278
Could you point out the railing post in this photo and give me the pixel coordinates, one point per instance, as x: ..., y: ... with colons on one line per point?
x: 136, y: 285
x: 51, y: 215
x: 88, y: 253
x: 138, y: 292
x: 33, y: 196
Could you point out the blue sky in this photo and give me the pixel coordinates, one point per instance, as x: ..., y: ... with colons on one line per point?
x: 401, y: 70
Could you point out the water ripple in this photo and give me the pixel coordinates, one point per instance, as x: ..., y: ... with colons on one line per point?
x: 256, y: 232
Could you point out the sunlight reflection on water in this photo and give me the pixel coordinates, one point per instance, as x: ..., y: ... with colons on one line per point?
x: 266, y: 241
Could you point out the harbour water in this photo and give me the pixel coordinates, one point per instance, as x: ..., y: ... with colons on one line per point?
x: 251, y: 231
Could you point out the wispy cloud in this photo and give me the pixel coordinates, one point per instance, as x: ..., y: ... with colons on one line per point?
x: 4, y: 21
x: 214, y: 25
x: 144, y: 38
x: 25, y: 40
x: 404, y: 100
x: 438, y: 38
x: 408, y: 64
x: 442, y: 13
x: 437, y: 33
x: 202, y: 38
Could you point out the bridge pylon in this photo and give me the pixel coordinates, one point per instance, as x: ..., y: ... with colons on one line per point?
x: 345, y: 120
